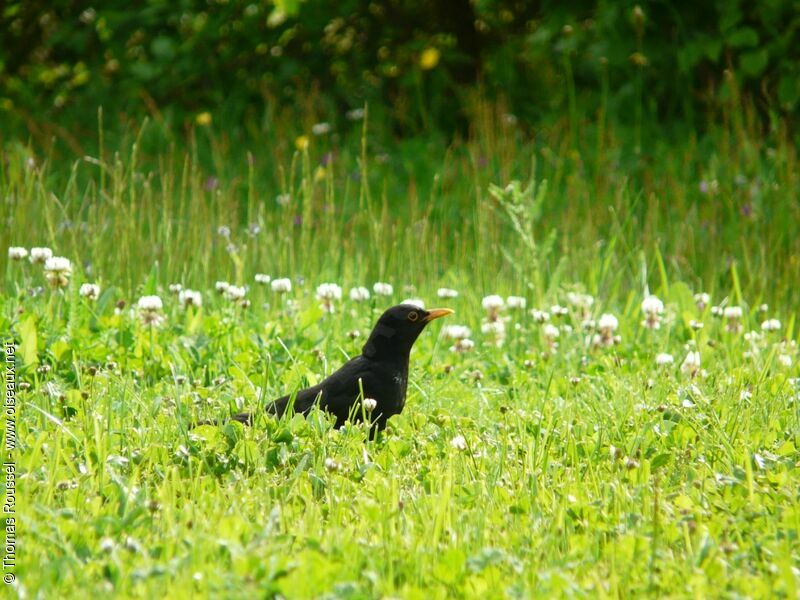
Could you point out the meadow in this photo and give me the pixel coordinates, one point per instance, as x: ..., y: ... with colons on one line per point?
x: 612, y: 411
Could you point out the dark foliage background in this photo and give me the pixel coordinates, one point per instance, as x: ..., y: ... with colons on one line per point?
x: 426, y: 61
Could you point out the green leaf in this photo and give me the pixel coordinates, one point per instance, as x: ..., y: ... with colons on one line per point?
x: 746, y: 37
x: 151, y: 285
x: 58, y: 349
x: 163, y: 47
x: 247, y: 452
x: 660, y: 460
x: 789, y: 91
x: 753, y: 63
x: 29, y: 342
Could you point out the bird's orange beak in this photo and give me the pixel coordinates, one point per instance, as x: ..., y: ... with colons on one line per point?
x: 435, y: 313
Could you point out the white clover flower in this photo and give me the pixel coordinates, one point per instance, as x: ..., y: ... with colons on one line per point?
x: 40, y: 255
x: 745, y: 395
x: 459, y: 443
x: 446, y: 293
x: 235, y: 293
x: 329, y: 291
x: 607, y: 325
x: 516, y: 302
x: 771, y: 325
x: 262, y: 278
x: 187, y: 298
x: 456, y: 332
x: 58, y: 264
x: 414, y: 302
x: 383, y: 289
x: 150, y: 310
x: 359, y: 294
x: 702, y: 300
x: 663, y: 359
x: 558, y: 311
x: 753, y: 336
x: 652, y: 305
x: 331, y: 464
x: 175, y: 288
x: 582, y: 301
x: 462, y: 345
x: 495, y: 328
x: 150, y: 303
x: 222, y: 286
x: 493, y: 303
x: 691, y: 364
x: 321, y: 128
x: 540, y: 316
x: 283, y: 199
x: 355, y: 114
x: 281, y: 286
x: 224, y: 231
x: 17, y: 252
x: 90, y: 291
x: 57, y: 271
x: 732, y: 312
x: 785, y: 360
x: 370, y: 404
x: 716, y: 311
x: 550, y: 331
x: 696, y: 325
x: 107, y: 545
x: 608, y: 322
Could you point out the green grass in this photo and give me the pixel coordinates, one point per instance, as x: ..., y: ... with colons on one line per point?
x: 588, y: 471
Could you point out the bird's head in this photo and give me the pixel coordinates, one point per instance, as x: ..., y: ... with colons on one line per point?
x: 397, y: 330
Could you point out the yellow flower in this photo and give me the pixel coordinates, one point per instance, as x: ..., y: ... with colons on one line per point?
x: 203, y: 118
x: 429, y: 59
x: 301, y: 143
x: 319, y: 174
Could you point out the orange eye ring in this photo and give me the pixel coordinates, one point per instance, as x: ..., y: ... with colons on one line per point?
x: 413, y: 316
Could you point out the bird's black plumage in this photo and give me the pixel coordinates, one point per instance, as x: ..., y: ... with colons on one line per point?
x: 380, y: 371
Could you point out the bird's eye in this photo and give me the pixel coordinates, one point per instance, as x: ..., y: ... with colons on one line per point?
x: 413, y: 316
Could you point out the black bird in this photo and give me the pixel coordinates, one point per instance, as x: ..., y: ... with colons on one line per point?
x: 380, y: 371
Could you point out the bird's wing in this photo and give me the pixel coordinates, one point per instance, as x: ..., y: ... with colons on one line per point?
x: 336, y: 394
x: 342, y: 388
x: 304, y: 400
